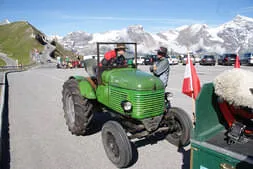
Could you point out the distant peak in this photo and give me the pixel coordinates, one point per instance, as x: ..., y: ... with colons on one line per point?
x: 199, y: 26
x: 135, y: 27
x: 78, y: 32
x: 182, y: 27
x: 241, y: 17
x: 6, y: 21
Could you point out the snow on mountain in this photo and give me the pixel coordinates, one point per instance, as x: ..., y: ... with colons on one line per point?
x: 55, y: 37
x: 237, y: 32
x: 214, y: 34
x: 111, y: 36
x: 4, y: 22
x: 197, y: 37
x: 182, y: 27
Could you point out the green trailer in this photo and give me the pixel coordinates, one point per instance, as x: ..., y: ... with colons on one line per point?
x: 209, y: 147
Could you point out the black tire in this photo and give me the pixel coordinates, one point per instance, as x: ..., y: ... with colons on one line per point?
x: 116, y: 144
x: 77, y: 109
x: 180, y: 136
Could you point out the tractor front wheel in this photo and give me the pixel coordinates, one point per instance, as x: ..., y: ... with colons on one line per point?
x: 116, y: 144
x: 180, y: 126
x: 77, y: 109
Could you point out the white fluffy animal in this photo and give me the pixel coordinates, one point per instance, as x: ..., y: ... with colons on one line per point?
x: 235, y: 86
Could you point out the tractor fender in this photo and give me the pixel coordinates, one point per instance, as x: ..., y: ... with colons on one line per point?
x: 85, y: 87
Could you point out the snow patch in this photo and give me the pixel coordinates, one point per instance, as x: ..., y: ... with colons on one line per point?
x: 182, y: 28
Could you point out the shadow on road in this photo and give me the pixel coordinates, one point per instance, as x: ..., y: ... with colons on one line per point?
x: 97, y: 122
x: 5, y: 158
x: 154, y: 140
x: 100, y: 118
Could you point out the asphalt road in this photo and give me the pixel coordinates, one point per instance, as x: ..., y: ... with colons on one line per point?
x: 39, y: 137
x: 48, y: 49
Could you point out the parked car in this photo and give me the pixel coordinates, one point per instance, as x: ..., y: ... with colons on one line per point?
x: 249, y: 57
x: 227, y: 59
x: 197, y: 59
x: 140, y: 60
x: 173, y: 60
x: 244, y: 59
x: 207, y: 60
x: 184, y: 60
x: 150, y: 59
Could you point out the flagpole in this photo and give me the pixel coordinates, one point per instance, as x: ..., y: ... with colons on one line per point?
x: 193, y: 100
x: 237, y: 59
x: 193, y: 111
x: 191, y: 85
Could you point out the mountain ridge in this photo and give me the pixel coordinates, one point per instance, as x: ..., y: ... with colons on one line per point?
x: 197, y: 37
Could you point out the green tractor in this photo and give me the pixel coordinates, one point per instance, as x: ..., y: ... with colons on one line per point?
x: 136, y: 102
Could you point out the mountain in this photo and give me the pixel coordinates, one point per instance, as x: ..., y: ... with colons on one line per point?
x: 20, y: 39
x: 197, y: 37
x: 6, y: 21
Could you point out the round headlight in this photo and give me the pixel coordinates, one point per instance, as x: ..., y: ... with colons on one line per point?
x: 126, y: 105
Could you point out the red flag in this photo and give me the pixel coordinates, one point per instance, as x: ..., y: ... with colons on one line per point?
x: 191, y: 83
x: 237, y: 61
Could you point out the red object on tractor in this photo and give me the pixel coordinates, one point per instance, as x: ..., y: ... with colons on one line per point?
x: 231, y: 114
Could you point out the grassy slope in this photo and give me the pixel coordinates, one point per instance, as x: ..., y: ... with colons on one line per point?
x: 17, y: 42
x: 2, y: 63
x: 60, y: 51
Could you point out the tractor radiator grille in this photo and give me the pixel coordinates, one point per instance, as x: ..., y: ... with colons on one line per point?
x: 145, y: 103
x: 148, y: 104
x: 116, y: 97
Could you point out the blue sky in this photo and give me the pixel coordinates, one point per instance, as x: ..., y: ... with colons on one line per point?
x: 61, y: 17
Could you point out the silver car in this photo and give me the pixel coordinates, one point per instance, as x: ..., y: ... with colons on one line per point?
x: 249, y: 57
x: 184, y: 60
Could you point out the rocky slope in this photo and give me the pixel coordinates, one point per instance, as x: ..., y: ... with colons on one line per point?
x: 197, y: 38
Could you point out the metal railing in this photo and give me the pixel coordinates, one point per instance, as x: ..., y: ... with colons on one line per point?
x: 16, y: 68
x: 7, y: 68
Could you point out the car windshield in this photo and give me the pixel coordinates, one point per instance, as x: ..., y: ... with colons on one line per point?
x: 209, y: 56
x: 247, y: 55
x: 230, y: 55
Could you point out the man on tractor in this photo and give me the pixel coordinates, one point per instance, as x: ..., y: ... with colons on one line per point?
x: 115, y: 57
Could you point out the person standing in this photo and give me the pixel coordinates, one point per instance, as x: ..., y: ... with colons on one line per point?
x: 161, y: 67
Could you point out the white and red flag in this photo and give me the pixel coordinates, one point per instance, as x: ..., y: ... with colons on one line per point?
x: 191, y: 83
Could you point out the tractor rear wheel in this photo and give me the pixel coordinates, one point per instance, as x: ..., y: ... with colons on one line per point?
x: 116, y: 144
x: 180, y: 124
x: 77, y: 109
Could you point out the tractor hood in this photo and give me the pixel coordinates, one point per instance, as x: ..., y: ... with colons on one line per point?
x: 133, y: 79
